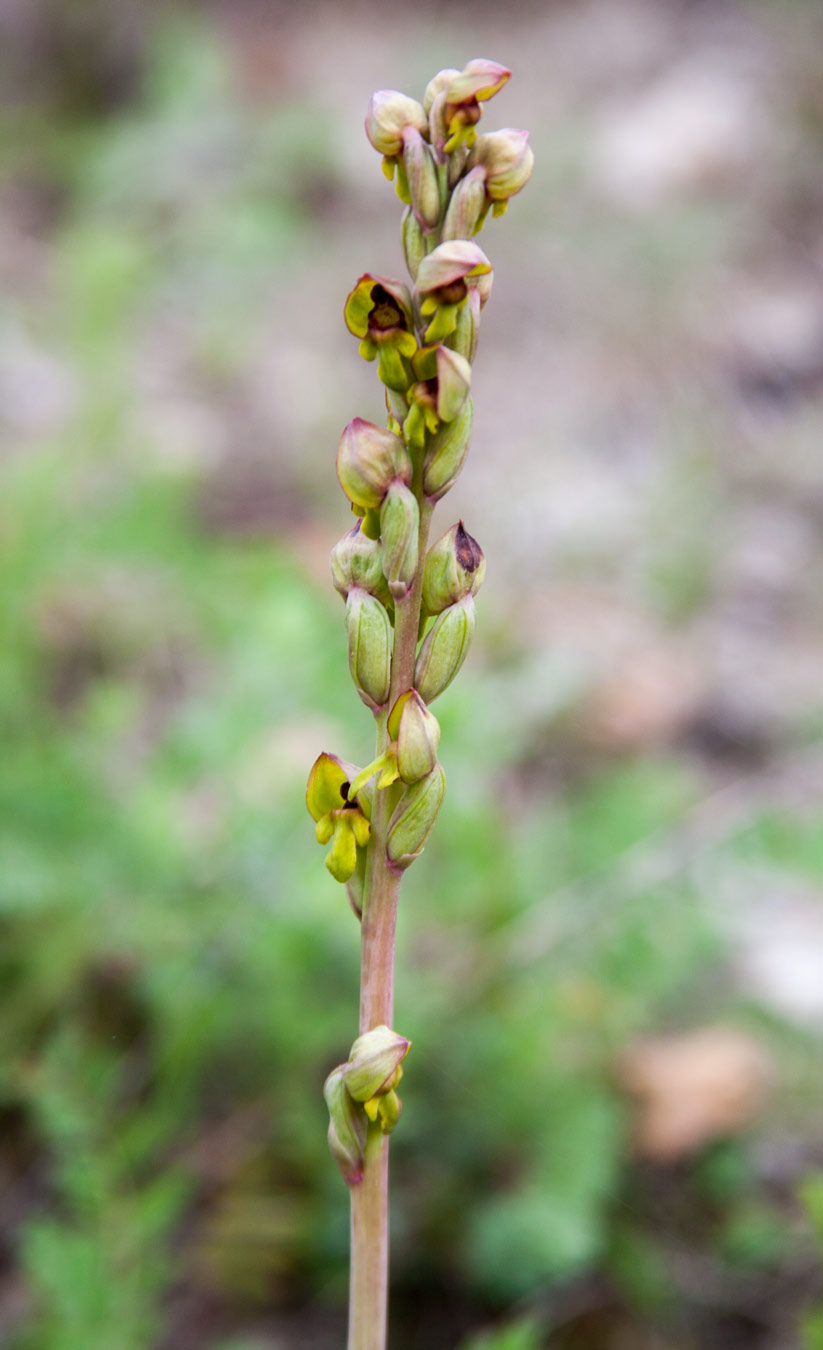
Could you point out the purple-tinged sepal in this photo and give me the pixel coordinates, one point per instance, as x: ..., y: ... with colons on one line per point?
x: 369, y: 459
x: 388, y: 116
x: 477, y: 82
x: 505, y: 160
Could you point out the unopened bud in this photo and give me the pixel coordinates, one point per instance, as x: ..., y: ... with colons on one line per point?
x: 447, y: 453
x: 444, y: 649
x: 421, y: 175
x: 368, y: 459
x: 438, y: 84
x: 399, y: 529
x: 348, y: 1127
x: 369, y: 633
x: 356, y: 561
x: 414, y: 241
x: 455, y: 566
x: 374, y: 1062
x: 388, y: 115
x: 466, y: 207
x: 413, y: 818
x: 416, y: 733
x: 506, y: 159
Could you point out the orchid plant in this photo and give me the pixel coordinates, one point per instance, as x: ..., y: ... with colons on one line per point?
x: 409, y: 607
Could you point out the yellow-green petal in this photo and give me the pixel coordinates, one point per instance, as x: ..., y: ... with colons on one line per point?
x: 326, y: 778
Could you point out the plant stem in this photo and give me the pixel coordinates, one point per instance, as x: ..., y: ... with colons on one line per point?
x: 369, y: 1272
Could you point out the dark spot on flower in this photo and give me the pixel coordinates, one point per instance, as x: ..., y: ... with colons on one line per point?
x: 452, y: 293
x: 386, y: 312
x: 468, y: 552
x: 344, y: 790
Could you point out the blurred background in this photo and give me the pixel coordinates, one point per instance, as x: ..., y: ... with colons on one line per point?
x: 611, y: 954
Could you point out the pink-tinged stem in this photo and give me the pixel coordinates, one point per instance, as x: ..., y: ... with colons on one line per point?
x: 369, y: 1271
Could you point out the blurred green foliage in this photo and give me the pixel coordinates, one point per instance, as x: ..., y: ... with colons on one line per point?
x: 178, y: 973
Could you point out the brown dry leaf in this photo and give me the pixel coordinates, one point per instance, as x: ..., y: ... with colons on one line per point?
x: 693, y: 1088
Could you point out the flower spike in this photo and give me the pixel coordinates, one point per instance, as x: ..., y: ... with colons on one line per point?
x: 409, y: 608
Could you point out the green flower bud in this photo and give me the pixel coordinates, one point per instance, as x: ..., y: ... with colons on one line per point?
x: 369, y: 458
x: 421, y: 176
x: 414, y: 241
x: 416, y: 735
x: 444, y: 649
x: 455, y: 566
x: 388, y: 116
x: 356, y: 561
x: 446, y: 453
x: 374, y: 1063
x: 506, y: 160
x: 413, y: 818
x: 438, y: 84
x: 348, y: 1127
x: 466, y: 207
x: 399, y: 529
x: 370, y: 645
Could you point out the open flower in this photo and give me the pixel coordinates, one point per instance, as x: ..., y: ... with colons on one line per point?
x: 340, y: 820
x: 444, y: 279
x: 379, y: 312
x: 453, y: 100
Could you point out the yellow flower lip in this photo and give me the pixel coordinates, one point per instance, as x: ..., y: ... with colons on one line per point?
x: 340, y: 821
